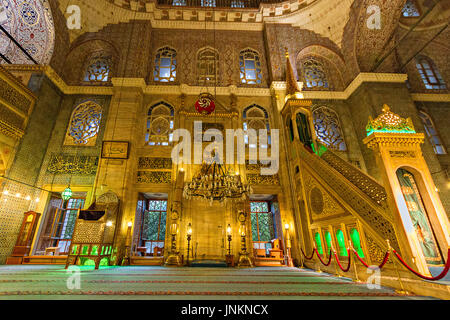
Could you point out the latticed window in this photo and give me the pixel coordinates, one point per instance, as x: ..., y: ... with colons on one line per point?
x: 250, y: 67
x: 165, y: 65
x: 256, y: 118
x: 432, y: 133
x: 237, y: 4
x: 431, y: 77
x: 98, y: 69
x: 84, y: 124
x: 73, y: 204
x: 207, y: 61
x: 315, y: 76
x: 410, y: 9
x: 159, y: 124
x: 179, y: 2
x: 208, y: 3
x: 154, y: 224
x: 328, y: 128
x: 263, y: 230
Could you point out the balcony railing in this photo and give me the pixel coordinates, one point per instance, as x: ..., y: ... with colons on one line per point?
x: 217, y: 3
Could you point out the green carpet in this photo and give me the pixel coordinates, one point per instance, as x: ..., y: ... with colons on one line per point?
x: 50, y: 282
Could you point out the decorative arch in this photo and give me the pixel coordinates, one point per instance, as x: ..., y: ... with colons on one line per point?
x: 98, y: 69
x: 160, y: 124
x: 255, y: 117
x: 324, y: 64
x: 165, y: 69
x: 250, y: 66
x: 207, y: 65
x: 31, y: 24
x: 84, y: 124
x: 328, y: 128
x: 83, y: 54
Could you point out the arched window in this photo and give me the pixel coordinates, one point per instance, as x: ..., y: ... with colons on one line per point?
x: 207, y: 62
x: 250, y: 67
x: 256, y: 118
x: 98, y: 69
x: 318, y: 243
x: 208, y: 3
x: 328, y: 128
x: 165, y: 65
x: 431, y: 77
x: 314, y: 74
x: 179, y: 3
x: 304, y: 132
x: 159, y: 124
x: 410, y: 9
x: 84, y: 124
x: 419, y: 217
x: 341, y: 243
x: 432, y: 133
x: 356, y: 241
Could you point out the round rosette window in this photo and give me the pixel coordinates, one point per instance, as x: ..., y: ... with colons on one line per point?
x: 205, y: 104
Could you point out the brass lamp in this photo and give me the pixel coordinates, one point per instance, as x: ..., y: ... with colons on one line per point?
x: 189, y: 236
x: 229, y: 239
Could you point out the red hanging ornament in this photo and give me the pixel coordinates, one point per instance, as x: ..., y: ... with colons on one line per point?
x: 205, y: 104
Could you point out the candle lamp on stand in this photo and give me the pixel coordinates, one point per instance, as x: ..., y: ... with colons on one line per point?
x: 288, y: 247
x: 189, y: 237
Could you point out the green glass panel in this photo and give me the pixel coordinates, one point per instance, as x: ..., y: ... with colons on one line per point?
x: 74, y: 249
x: 94, y: 250
x: 341, y: 243
x: 103, y: 250
x: 318, y: 243
x: 328, y: 240
x: 259, y: 207
x: 265, y: 226
x: 356, y: 240
x: 87, y: 262
x: 84, y: 250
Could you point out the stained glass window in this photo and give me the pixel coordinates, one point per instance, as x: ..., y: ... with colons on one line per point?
x: 318, y: 243
x: 328, y: 128
x: 208, y: 3
x: 431, y: 76
x: 207, y: 61
x: 262, y: 222
x: 237, y: 4
x: 432, y: 133
x: 328, y: 241
x: 256, y: 118
x: 314, y: 74
x: 160, y: 124
x: 154, y: 224
x: 85, y: 123
x: 98, y: 69
x: 179, y: 2
x: 165, y: 65
x: 341, y: 243
x: 71, y: 217
x: 250, y: 67
x: 356, y: 241
x: 410, y: 9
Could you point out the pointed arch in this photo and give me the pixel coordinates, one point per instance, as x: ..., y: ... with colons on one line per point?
x: 250, y: 66
x: 207, y: 65
x: 84, y: 124
x: 328, y: 128
x: 431, y: 77
x: 165, y: 69
x: 160, y: 124
x: 432, y: 133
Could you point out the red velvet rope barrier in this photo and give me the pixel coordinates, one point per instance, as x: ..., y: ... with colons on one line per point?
x: 318, y: 255
x: 442, y: 275
x: 339, y: 263
x: 308, y: 258
x: 385, y: 260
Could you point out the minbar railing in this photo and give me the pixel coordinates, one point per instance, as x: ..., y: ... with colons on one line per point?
x: 217, y: 3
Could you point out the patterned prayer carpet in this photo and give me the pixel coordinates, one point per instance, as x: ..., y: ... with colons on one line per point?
x: 136, y: 282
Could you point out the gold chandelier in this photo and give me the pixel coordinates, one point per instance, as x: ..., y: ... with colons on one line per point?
x: 215, y: 183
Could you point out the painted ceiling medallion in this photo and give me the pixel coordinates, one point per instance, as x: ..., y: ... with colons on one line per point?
x: 205, y: 104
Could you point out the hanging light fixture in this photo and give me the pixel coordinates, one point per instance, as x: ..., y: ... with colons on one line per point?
x: 214, y: 183
x: 66, y: 194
